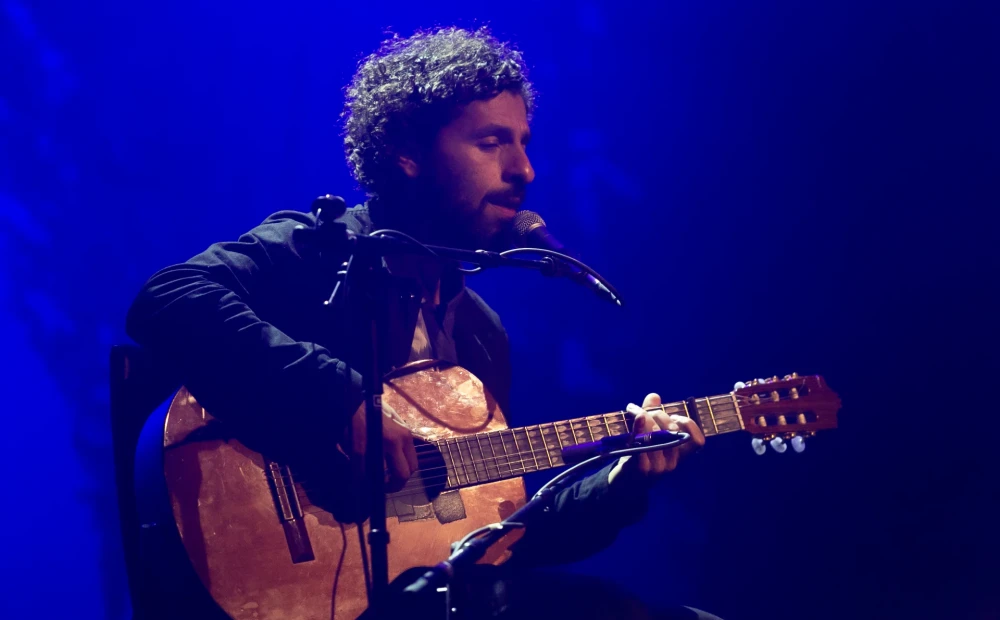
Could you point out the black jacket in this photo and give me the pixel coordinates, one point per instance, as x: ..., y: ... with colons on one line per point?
x: 244, y: 325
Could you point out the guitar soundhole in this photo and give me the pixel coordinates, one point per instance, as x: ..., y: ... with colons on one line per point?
x: 416, y: 500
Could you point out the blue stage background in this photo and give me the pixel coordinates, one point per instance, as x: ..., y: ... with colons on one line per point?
x: 774, y: 186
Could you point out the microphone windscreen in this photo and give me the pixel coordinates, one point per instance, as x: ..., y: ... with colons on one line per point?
x: 525, y: 222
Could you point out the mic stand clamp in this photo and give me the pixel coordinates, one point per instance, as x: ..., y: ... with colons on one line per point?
x: 474, y: 547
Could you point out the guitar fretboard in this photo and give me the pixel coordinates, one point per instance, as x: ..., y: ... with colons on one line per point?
x: 508, y: 453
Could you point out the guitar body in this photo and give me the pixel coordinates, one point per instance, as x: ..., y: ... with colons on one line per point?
x: 262, y: 550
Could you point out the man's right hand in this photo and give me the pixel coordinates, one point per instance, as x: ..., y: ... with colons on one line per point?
x: 397, y: 445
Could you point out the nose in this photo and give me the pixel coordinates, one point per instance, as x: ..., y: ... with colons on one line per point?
x: 517, y: 167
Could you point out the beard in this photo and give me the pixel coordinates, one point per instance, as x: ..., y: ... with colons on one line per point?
x: 458, y: 222
x: 446, y: 213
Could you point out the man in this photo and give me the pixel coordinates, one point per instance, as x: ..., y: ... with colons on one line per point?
x: 436, y: 131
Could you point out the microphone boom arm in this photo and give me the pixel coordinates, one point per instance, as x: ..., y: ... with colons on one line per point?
x: 586, y: 275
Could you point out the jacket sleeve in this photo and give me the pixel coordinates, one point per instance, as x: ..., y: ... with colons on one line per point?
x: 209, y: 319
x: 585, y: 518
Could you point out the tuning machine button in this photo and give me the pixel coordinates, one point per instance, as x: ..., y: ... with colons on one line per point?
x: 758, y: 446
x: 798, y: 443
x: 779, y: 445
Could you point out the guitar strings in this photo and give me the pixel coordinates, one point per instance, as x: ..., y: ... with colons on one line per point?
x: 569, y: 426
x: 417, y: 486
x: 443, y: 446
x: 462, y: 468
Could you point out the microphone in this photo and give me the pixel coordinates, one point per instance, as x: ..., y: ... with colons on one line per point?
x: 531, y: 232
x: 584, y: 451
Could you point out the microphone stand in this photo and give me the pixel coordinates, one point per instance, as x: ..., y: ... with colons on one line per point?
x: 363, y: 289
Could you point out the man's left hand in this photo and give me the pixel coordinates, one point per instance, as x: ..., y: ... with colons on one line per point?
x: 655, y: 463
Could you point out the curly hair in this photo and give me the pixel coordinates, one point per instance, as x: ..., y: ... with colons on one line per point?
x: 409, y: 89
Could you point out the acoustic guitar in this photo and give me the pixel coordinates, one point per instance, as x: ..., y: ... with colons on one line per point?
x: 265, y: 544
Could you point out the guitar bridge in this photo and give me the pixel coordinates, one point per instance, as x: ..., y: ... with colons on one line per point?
x: 289, y: 509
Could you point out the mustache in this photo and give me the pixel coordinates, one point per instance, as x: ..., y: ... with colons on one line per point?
x: 512, y: 198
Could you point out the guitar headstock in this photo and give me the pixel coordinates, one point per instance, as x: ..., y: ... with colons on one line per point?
x: 791, y: 408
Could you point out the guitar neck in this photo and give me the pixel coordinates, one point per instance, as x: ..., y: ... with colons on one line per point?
x: 508, y: 453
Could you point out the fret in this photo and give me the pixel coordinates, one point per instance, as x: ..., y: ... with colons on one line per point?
x: 571, y: 433
x: 596, y: 432
x: 555, y: 431
x: 694, y: 410
x: 576, y: 430
x: 449, y: 463
x: 679, y: 408
x: 523, y: 458
x: 542, y: 439
x: 466, y: 462
x: 625, y: 423
x: 571, y: 437
x: 459, y: 461
x: 728, y: 425
x: 486, y: 459
x: 514, y: 456
x: 589, y: 432
x: 492, y: 455
x: 472, y: 458
x: 595, y: 429
x: 462, y: 462
x: 727, y: 418
x: 564, y: 432
x: 737, y: 408
x: 700, y: 416
x: 503, y: 448
x: 531, y: 448
x: 607, y: 426
x: 519, y: 452
x: 620, y: 428
x: 715, y: 427
x: 548, y: 448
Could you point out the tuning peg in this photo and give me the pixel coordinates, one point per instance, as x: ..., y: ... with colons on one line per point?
x: 779, y: 445
x: 739, y: 385
x: 758, y: 446
x: 798, y: 443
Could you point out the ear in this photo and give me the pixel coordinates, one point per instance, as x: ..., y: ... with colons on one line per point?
x: 408, y: 165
